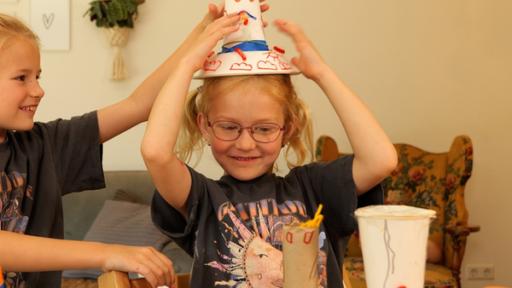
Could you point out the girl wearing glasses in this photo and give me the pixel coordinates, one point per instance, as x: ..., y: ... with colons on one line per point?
x: 232, y: 226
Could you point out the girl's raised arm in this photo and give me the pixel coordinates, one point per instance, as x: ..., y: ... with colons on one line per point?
x: 374, y: 155
x: 169, y: 174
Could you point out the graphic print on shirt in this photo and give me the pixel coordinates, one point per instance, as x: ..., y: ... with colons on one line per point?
x: 250, y: 254
x: 13, y: 191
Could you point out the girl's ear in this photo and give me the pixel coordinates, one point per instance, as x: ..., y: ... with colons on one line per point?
x: 202, y: 123
x: 288, y: 133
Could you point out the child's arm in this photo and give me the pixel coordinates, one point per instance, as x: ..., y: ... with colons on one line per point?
x: 169, y: 174
x: 374, y: 155
x: 23, y: 253
x: 121, y: 116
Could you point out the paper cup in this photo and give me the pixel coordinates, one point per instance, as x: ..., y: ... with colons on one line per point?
x: 252, y: 29
x: 394, y: 244
x: 300, y: 256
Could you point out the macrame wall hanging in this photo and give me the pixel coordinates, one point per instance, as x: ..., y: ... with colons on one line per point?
x: 117, y: 17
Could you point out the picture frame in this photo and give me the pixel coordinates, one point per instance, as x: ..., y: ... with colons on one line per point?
x: 50, y: 20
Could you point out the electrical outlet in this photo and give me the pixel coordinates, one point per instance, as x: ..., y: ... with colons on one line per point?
x: 480, y: 272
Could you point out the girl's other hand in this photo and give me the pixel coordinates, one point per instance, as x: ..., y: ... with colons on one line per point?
x: 309, y: 61
x: 156, y: 268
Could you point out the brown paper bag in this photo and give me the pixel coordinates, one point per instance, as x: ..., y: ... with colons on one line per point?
x: 300, y: 256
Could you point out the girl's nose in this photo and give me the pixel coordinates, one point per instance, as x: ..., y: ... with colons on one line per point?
x: 245, y: 141
x: 37, y: 91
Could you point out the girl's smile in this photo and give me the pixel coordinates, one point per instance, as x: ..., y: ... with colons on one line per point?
x: 244, y: 158
x: 29, y: 108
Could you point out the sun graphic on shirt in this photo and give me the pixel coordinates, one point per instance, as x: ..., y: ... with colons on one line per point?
x: 252, y: 258
x: 253, y: 262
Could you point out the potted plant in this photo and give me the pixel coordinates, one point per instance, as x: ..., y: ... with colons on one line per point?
x: 113, y: 13
x: 118, y: 18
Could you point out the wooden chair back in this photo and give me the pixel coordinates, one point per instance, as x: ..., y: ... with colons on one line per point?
x: 117, y: 279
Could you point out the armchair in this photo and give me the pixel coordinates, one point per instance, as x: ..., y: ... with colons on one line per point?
x: 429, y: 180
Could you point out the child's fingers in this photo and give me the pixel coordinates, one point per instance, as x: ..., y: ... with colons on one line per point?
x: 264, y: 7
x: 215, y: 11
x: 295, y: 61
x: 226, y: 20
x: 223, y: 26
x: 301, y: 41
x: 287, y: 27
x: 162, y: 269
x: 151, y: 267
x: 169, y: 266
x: 145, y: 270
x: 212, y: 39
x: 291, y: 29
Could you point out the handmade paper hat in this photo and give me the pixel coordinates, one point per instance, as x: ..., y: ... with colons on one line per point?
x: 245, y: 52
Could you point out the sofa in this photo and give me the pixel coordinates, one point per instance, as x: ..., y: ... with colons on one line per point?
x: 118, y: 213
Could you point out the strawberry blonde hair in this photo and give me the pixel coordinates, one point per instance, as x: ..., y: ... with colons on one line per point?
x: 297, y: 116
x: 10, y: 27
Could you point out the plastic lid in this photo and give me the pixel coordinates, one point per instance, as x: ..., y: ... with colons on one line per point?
x: 395, y: 211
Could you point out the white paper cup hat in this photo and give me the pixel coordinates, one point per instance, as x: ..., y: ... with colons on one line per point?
x: 246, y: 52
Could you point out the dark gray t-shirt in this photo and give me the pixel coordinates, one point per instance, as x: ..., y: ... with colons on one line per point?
x: 234, y: 227
x: 37, y: 168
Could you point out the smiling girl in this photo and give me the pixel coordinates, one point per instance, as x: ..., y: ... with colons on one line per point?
x: 233, y: 226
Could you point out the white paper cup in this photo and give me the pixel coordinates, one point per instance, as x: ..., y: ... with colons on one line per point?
x: 394, y: 244
x: 253, y: 30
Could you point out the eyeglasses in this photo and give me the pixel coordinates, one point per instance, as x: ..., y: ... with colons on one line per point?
x: 261, y: 132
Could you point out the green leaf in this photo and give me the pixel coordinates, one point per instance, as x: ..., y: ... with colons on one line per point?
x: 110, y: 13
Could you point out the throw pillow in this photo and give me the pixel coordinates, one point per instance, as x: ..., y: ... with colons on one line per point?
x: 121, y: 222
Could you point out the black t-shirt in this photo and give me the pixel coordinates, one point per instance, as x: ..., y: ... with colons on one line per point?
x: 234, y: 227
x: 37, y: 168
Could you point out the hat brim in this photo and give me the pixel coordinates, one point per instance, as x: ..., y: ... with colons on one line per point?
x: 246, y: 63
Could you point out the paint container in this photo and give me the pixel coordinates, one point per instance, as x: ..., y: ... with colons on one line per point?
x: 300, y: 256
x: 394, y: 244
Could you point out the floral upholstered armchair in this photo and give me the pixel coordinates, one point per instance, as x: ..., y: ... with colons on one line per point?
x: 429, y: 180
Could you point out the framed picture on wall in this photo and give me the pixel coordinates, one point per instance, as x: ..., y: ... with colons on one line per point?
x: 50, y: 20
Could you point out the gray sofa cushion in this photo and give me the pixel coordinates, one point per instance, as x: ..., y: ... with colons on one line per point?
x: 81, y: 210
x: 125, y: 223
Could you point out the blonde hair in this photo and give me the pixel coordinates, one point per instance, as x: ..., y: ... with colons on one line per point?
x: 11, y: 27
x: 296, y: 114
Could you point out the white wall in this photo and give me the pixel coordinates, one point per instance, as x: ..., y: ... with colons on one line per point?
x: 428, y: 69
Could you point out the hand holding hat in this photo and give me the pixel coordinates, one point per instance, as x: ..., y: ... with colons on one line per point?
x: 214, y: 12
x: 309, y: 61
x: 201, y: 47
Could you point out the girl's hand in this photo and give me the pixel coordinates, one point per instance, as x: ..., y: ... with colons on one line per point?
x: 154, y: 266
x: 309, y: 61
x: 216, y: 11
x: 201, y: 47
